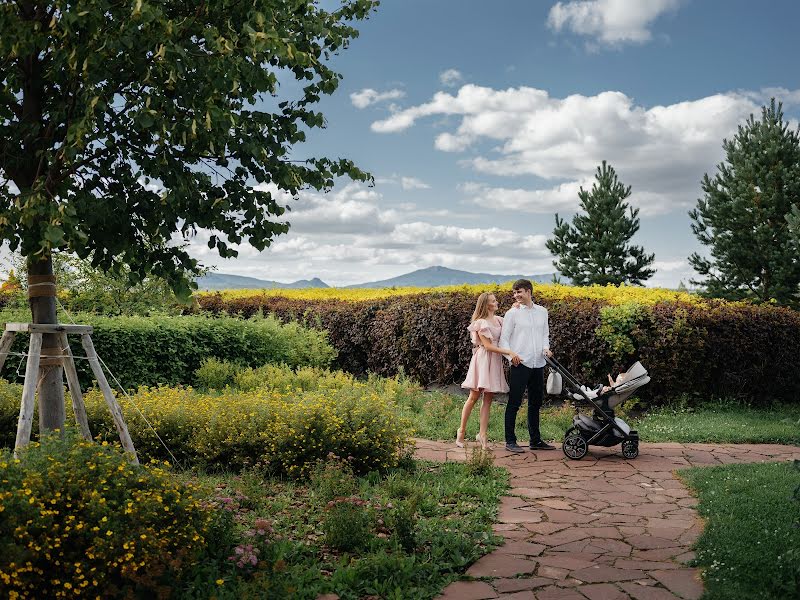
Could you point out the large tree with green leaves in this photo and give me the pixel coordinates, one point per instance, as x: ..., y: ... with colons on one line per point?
x: 596, y: 247
x: 126, y: 125
x: 742, y: 217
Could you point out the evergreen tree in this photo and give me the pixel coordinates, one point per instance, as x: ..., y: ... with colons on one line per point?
x: 596, y: 248
x: 744, y: 216
x: 793, y: 218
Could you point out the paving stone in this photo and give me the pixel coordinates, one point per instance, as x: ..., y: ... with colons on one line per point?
x: 510, y: 585
x: 683, y: 582
x: 523, y: 548
x: 501, y: 565
x: 565, y: 536
x: 646, y: 592
x: 552, y: 572
x: 328, y: 597
x: 649, y: 542
x: 601, y: 573
x: 602, y: 591
x: 557, y: 593
x: 468, y: 590
x: 523, y: 595
x: 570, y: 563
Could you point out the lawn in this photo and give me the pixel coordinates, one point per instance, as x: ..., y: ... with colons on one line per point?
x: 436, y: 415
x: 417, y: 530
x: 750, y: 548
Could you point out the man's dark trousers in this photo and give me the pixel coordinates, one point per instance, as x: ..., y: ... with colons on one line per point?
x: 521, y: 378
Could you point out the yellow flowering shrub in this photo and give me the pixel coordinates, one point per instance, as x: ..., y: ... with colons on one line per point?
x: 284, y: 421
x: 78, y: 520
x: 610, y: 294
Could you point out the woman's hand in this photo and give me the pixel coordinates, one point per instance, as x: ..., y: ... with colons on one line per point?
x: 548, y: 353
x: 515, y: 359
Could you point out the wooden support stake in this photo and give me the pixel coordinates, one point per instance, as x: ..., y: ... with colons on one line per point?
x: 116, y: 412
x: 5, y: 346
x: 78, y: 407
x: 28, y: 393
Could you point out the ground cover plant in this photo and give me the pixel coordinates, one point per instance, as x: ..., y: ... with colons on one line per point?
x: 400, y: 536
x: 750, y: 546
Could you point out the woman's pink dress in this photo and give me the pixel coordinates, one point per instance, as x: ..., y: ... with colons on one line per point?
x: 486, y: 368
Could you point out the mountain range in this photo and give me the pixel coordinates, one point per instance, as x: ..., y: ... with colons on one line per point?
x: 429, y: 277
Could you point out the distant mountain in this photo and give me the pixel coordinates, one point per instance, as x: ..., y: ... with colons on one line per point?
x: 225, y: 281
x: 438, y: 276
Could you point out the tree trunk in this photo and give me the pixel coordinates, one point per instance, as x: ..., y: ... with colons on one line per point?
x: 42, y: 300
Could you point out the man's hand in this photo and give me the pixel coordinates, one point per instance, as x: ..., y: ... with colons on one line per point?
x: 515, y: 359
x: 548, y: 353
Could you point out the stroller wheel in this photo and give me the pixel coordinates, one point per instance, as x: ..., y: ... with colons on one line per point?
x: 574, y: 445
x: 630, y: 449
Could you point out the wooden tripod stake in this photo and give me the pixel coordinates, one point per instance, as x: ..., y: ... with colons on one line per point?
x: 39, y: 357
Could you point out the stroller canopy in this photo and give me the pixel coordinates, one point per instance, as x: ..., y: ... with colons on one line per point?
x: 635, y: 377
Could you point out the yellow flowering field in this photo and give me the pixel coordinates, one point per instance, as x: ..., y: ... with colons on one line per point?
x: 610, y: 294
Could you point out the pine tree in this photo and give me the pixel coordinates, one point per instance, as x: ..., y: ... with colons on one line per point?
x: 745, y: 215
x: 596, y: 248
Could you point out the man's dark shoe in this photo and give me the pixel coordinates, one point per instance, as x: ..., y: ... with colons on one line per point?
x: 541, y: 446
x: 515, y: 448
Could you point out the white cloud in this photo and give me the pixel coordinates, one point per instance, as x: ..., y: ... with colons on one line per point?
x: 450, y: 77
x: 412, y: 183
x: 561, y: 198
x: 661, y: 151
x: 368, y: 96
x: 610, y: 22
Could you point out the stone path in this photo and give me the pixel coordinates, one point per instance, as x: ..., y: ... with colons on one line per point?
x: 600, y: 528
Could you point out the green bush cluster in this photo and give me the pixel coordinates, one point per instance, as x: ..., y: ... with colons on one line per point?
x: 163, y: 350
x: 707, y: 349
x: 78, y: 520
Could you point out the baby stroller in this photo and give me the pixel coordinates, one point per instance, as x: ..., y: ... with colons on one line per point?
x: 603, y: 428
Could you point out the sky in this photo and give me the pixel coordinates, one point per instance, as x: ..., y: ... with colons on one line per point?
x: 481, y: 120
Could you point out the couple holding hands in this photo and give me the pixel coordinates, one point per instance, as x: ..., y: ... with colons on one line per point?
x: 523, y: 337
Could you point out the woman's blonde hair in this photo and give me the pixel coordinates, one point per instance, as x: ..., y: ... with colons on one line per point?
x: 482, y: 306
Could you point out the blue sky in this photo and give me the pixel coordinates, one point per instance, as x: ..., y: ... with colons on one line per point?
x: 480, y: 120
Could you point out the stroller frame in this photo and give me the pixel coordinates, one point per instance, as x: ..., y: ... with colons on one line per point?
x: 580, y: 436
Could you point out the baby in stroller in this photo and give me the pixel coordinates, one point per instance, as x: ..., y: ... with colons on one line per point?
x: 594, y: 392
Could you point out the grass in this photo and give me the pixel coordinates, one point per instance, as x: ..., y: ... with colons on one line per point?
x: 750, y: 548
x: 436, y: 415
x: 428, y: 522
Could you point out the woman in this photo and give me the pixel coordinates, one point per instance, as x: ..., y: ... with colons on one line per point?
x: 485, y: 373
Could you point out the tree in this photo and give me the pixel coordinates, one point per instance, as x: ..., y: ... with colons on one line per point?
x: 596, y: 248
x: 127, y: 125
x: 742, y: 217
x: 793, y: 219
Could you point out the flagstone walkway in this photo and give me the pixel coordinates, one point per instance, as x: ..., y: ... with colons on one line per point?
x: 602, y: 528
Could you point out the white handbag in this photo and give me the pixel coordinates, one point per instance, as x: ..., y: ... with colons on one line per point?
x: 554, y: 383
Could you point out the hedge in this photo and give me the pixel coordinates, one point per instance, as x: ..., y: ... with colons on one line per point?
x: 700, y: 349
x: 168, y: 350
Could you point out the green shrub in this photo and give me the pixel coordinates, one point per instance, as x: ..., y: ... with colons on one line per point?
x: 332, y: 478
x: 78, y: 519
x: 347, y: 524
x: 169, y: 350
x: 215, y: 374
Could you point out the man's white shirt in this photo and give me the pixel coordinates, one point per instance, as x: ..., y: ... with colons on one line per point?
x: 526, y: 331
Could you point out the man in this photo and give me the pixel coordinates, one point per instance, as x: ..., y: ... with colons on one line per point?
x: 526, y: 331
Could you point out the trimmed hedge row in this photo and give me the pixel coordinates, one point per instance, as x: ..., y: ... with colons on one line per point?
x: 703, y: 350
x: 165, y: 350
